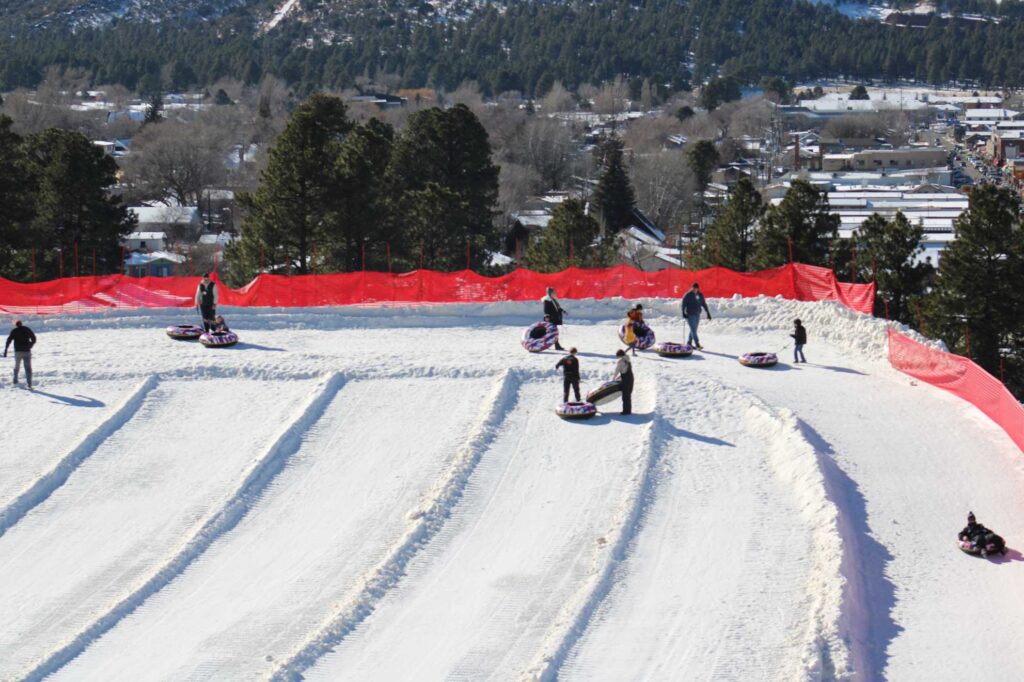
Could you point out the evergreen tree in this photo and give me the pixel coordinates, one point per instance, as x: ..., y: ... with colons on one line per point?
x: 362, y: 206
x: 802, y: 217
x: 719, y: 91
x: 293, y: 208
x: 891, y: 251
x: 703, y: 158
x: 978, y: 287
x: 572, y: 238
x: 74, y: 209
x: 16, y: 206
x: 859, y: 92
x: 729, y: 241
x: 154, y: 110
x: 445, y: 154
x: 614, y: 197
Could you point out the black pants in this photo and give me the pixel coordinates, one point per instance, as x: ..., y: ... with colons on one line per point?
x: 208, y: 315
x: 627, y: 393
x: 566, y: 383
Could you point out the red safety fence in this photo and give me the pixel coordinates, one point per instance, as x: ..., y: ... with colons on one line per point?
x: 961, y: 377
x: 78, y: 294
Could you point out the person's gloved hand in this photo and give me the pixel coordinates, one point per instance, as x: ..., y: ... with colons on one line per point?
x: 709, y: 316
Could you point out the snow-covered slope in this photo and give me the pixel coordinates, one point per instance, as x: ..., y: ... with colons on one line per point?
x: 376, y: 493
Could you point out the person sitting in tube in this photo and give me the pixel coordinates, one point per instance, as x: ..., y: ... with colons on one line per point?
x: 219, y: 325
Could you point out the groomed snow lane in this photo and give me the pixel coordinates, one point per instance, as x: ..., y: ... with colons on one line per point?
x: 126, y: 508
x: 261, y: 590
x: 481, y: 600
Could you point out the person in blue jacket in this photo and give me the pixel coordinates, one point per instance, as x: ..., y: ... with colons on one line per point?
x: 693, y: 301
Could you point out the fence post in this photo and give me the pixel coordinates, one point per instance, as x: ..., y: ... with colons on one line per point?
x: 421, y: 254
x: 467, y: 254
x: 789, y: 241
x: 1002, y: 372
x: 34, y: 265
x: 572, y: 254
x: 78, y: 273
x: 60, y: 264
x: 831, y: 258
x: 363, y: 249
x: 388, y: 248
x: 967, y: 338
x: 94, y: 262
x: 718, y: 261
x: 853, y: 265
x: 261, y: 259
x: 886, y: 309
x: 920, y: 318
x: 518, y: 253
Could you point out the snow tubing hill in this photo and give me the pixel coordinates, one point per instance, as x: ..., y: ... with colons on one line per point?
x: 540, y: 336
x: 759, y: 359
x: 584, y: 410
x: 185, y: 332
x: 668, y: 349
x: 605, y: 393
x: 642, y: 342
x: 218, y: 339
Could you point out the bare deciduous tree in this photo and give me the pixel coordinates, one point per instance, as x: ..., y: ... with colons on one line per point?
x: 664, y: 186
x: 174, y: 162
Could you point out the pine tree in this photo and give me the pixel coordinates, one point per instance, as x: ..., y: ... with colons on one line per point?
x: 571, y: 238
x: 74, y: 209
x: 446, y: 154
x: 802, y: 217
x: 614, y: 196
x: 891, y: 251
x: 703, y: 158
x: 362, y: 207
x: 729, y: 241
x: 293, y: 208
x: 154, y: 110
x: 977, y: 293
x: 16, y: 205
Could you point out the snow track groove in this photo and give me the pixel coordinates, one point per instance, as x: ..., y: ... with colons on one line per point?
x: 227, y: 517
x: 579, y: 609
x: 427, y: 522
x: 758, y: 483
x: 481, y: 599
x: 45, y: 485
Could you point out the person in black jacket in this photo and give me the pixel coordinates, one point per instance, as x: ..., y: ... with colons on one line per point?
x: 980, y: 535
x: 206, y: 301
x: 570, y: 367
x: 799, y: 340
x: 23, y: 340
x: 624, y: 373
x: 553, y: 311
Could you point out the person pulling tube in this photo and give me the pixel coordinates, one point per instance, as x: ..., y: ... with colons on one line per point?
x: 554, y: 312
x: 206, y: 301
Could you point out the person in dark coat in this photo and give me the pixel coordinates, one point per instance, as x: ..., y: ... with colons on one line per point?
x: 23, y: 340
x: 219, y: 325
x: 554, y: 312
x: 799, y: 340
x: 206, y: 301
x: 624, y: 373
x: 570, y: 366
x: 980, y: 535
x: 693, y: 301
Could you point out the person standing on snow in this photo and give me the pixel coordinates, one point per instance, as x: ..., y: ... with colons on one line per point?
x: 693, y: 301
x: 624, y: 373
x: 206, y: 301
x: 23, y: 340
x: 570, y: 367
x: 553, y: 311
x: 799, y: 340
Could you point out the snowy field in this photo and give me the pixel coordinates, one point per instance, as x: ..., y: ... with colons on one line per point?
x: 386, y: 494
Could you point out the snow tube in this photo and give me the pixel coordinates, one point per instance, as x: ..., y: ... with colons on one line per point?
x: 642, y: 342
x: 185, y: 332
x: 218, y: 339
x: 759, y: 359
x: 540, y: 336
x: 605, y: 393
x: 576, y: 410
x: 668, y: 349
x: 970, y: 547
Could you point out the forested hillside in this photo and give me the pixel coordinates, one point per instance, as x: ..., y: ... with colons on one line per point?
x: 523, y: 46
